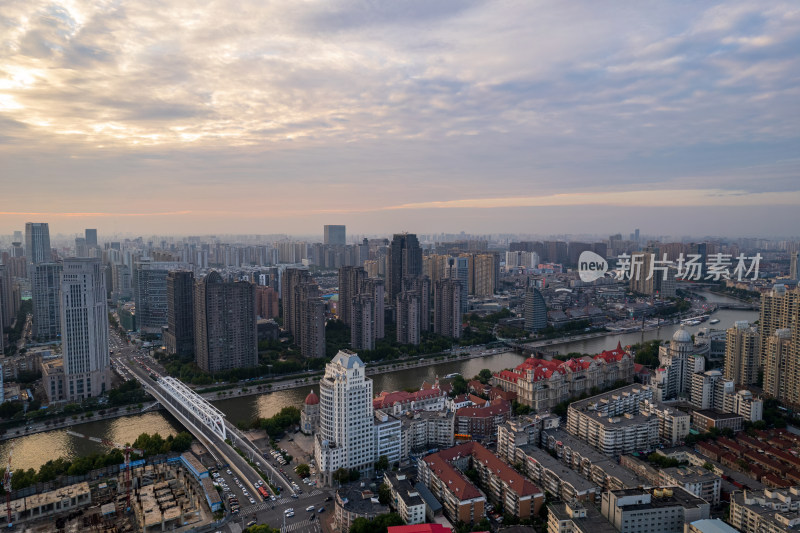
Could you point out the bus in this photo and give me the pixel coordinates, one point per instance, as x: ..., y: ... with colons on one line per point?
x: 263, y: 492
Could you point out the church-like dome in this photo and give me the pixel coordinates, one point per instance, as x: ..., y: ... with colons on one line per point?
x: 312, y: 399
x: 682, y: 336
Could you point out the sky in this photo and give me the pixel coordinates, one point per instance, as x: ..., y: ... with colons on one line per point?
x: 537, y: 117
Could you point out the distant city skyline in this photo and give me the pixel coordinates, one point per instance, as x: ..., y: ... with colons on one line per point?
x: 676, y: 118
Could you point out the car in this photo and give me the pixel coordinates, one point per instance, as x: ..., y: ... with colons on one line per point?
x: 289, y: 515
x: 321, y: 510
x: 252, y: 501
x: 272, y: 498
x: 309, y: 508
x: 288, y: 510
x: 251, y: 523
x: 295, y: 496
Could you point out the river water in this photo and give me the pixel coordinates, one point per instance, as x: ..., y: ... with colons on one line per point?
x: 34, y: 450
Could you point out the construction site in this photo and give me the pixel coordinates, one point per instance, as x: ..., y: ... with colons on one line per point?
x: 143, y: 498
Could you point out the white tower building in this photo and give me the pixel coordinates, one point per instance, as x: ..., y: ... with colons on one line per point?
x: 346, y: 436
x: 84, y: 328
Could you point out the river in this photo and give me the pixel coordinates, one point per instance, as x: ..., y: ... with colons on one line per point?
x: 34, y: 450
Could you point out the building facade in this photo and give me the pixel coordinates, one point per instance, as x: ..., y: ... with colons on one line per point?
x: 742, y: 353
x: 45, y: 281
x: 84, y: 329
x: 179, y: 335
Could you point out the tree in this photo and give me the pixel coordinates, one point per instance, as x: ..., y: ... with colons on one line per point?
x: 354, y: 475
x: 261, y: 528
x: 382, y: 463
x: 303, y: 470
x: 379, y: 524
x: 484, y: 376
x: 384, y: 494
x: 342, y: 475
x: 483, y: 525
x: 459, y: 385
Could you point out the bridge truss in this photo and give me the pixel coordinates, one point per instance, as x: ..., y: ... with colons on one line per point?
x: 202, y: 410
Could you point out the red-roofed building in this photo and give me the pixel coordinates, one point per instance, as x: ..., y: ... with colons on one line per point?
x: 420, y: 528
x: 544, y: 384
x: 506, y: 487
x: 400, y: 402
x: 482, y: 422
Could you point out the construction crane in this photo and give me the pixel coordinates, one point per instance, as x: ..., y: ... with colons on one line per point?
x: 7, y: 486
x: 126, y: 449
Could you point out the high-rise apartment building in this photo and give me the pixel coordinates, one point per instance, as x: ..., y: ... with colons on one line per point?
x: 37, y: 242
x: 408, y: 317
x: 457, y: 268
x: 793, y: 265
x: 485, y: 274
x: 45, y: 286
x: 742, y: 353
x: 312, y: 327
x: 335, y: 234
x: 678, y: 363
x: 403, y: 260
x: 84, y: 328
x: 535, y: 309
x: 346, y: 436
x: 362, y: 330
x: 179, y: 334
x: 292, y: 278
x: 447, y: 308
x: 266, y: 302
x: 225, y: 324
x: 779, y: 329
x: 7, y: 305
x: 375, y: 288
x: 421, y: 286
x: 350, y: 280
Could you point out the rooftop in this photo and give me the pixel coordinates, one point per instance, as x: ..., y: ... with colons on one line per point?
x: 680, y: 496
x: 613, y: 395
x: 594, y: 522
x: 564, y: 473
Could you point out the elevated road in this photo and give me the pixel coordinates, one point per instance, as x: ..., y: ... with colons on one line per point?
x: 212, y: 440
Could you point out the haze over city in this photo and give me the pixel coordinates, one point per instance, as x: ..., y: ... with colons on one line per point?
x: 531, y: 117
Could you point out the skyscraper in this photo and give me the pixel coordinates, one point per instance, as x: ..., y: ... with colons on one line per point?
x: 793, y: 265
x: 292, y: 277
x: 742, y: 354
x: 335, y: 235
x: 8, y: 312
x: 447, y: 308
x: 375, y: 288
x: 678, y: 364
x: 150, y: 293
x: 779, y: 328
x: 458, y: 269
x: 312, y: 327
x: 91, y: 237
x: 346, y: 436
x: 362, y: 331
x: 404, y: 260
x: 37, y: 242
x: 421, y: 286
x: 350, y: 281
x: 225, y: 324
x: 45, y: 286
x: 408, y: 317
x: 179, y: 335
x: 84, y: 328
x: 266, y: 302
x: 535, y: 309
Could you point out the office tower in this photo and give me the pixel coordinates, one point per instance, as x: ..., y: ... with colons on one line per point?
x: 81, y: 250
x: 121, y: 288
x: 150, y: 293
x: 17, y: 250
x: 45, y: 285
x: 362, y: 331
x: 408, y: 317
x: 636, y: 235
x: 346, y: 436
x: 742, y: 354
x: 179, y: 335
x: 335, y: 235
x: 793, y: 266
x: 225, y: 324
x: 403, y: 260
x: 458, y: 269
x: 90, y: 235
x: 37, y: 242
x: 312, y: 327
x: 84, y: 328
x: 350, y: 280
x: 266, y: 302
x: 535, y: 310
x: 7, y: 304
x: 447, y: 308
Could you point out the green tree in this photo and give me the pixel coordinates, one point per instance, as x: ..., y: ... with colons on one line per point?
x: 261, y: 528
x: 384, y: 494
x: 484, y: 376
x: 303, y: 470
x: 459, y: 385
x: 382, y: 464
x: 379, y: 524
x: 342, y: 475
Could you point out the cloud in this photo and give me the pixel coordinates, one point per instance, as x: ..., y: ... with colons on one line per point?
x: 396, y: 103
